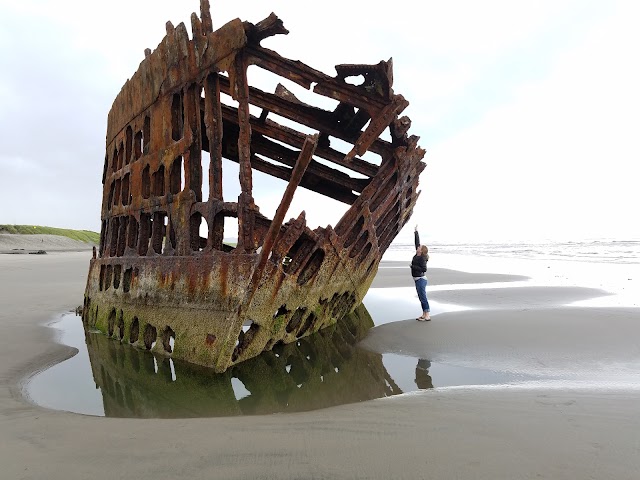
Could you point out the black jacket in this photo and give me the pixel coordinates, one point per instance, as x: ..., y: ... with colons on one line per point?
x: 418, y: 263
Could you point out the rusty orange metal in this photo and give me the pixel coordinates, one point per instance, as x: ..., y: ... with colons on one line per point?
x: 198, y: 297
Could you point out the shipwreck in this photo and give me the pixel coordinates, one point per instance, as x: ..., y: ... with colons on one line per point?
x: 165, y: 277
x: 318, y: 371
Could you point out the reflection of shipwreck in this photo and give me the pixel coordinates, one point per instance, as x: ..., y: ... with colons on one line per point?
x: 322, y: 371
x: 158, y: 282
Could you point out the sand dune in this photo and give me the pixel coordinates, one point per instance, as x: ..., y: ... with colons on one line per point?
x: 16, y: 243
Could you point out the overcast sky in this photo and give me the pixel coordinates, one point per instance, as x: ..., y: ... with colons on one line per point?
x: 529, y: 111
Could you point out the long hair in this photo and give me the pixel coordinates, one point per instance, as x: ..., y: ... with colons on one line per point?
x: 424, y: 251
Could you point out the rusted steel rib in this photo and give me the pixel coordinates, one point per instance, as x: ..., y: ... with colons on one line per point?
x: 166, y: 276
x: 271, y: 129
x: 296, y: 177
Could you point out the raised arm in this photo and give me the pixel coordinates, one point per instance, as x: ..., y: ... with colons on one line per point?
x: 416, y: 237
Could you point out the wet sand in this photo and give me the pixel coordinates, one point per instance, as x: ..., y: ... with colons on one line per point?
x: 396, y: 274
x: 586, y: 429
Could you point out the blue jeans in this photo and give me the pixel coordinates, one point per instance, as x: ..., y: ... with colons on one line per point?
x: 421, y: 287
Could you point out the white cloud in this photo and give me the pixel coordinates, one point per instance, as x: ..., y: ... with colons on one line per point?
x: 561, y: 160
x: 553, y: 144
x: 22, y: 166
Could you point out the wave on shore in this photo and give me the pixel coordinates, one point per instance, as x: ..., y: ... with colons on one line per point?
x: 611, y: 251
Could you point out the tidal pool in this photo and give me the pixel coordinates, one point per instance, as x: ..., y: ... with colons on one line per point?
x: 108, y: 378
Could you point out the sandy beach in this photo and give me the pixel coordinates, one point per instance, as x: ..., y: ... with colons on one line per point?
x: 581, y: 423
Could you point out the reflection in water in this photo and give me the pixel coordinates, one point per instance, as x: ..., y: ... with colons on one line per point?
x: 319, y: 371
x: 423, y: 379
x: 315, y: 372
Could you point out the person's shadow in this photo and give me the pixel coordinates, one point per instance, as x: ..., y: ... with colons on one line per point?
x: 423, y: 379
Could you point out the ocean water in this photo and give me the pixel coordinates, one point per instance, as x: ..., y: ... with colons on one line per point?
x: 597, y: 251
x: 610, y: 265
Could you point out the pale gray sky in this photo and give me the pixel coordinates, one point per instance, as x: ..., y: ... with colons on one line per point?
x: 529, y: 111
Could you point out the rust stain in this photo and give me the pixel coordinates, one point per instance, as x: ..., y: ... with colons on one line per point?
x: 165, y: 259
x: 223, y: 274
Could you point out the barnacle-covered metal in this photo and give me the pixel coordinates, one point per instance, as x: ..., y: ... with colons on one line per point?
x: 165, y: 277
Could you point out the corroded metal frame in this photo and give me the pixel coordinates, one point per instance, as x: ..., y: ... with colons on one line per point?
x: 156, y: 282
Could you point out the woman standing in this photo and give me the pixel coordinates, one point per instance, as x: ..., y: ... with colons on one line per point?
x: 418, y: 272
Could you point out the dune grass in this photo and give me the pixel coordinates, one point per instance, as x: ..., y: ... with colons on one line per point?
x: 86, y: 236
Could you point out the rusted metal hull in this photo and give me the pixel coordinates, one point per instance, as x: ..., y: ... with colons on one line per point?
x: 323, y: 371
x: 157, y: 283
